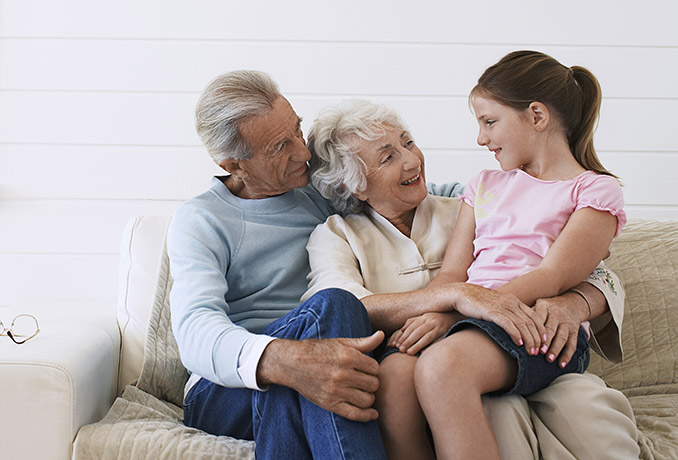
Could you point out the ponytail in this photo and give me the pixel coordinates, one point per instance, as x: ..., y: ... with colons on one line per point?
x: 580, y: 137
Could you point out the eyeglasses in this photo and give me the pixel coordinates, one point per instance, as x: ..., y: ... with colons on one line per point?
x: 23, y: 328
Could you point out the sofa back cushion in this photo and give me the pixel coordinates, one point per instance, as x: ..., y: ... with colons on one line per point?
x: 141, y: 253
x: 645, y: 256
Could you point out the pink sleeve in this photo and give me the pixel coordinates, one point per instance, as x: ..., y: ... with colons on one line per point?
x: 603, y: 193
x: 469, y: 194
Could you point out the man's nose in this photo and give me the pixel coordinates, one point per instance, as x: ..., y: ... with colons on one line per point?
x: 301, y: 152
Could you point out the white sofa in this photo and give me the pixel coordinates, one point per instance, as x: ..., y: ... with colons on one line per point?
x: 50, y: 397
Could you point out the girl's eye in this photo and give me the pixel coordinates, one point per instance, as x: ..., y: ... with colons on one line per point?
x: 490, y: 122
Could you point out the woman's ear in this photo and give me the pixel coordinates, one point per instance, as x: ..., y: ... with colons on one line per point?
x: 539, y: 115
x: 361, y: 195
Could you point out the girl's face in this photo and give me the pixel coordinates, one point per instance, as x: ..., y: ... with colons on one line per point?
x: 505, y: 131
x: 395, y: 173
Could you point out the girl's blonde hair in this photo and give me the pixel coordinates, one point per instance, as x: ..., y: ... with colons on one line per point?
x: 573, y: 93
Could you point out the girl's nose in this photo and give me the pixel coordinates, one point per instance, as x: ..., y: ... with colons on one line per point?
x: 482, y: 139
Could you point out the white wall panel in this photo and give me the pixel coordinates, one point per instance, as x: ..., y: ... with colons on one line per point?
x: 71, y: 226
x: 324, y: 68
x: 104, y: 118
x: 582, y: 22
x: 100, y: 172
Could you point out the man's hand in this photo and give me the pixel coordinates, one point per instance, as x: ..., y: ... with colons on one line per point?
x: 334, y: 374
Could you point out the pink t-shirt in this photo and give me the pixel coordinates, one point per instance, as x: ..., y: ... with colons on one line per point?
x: 518, y: 217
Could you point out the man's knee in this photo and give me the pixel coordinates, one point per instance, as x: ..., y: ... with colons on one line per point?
x: 342, y: 312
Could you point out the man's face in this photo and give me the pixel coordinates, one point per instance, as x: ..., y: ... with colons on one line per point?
x: 279, y: 153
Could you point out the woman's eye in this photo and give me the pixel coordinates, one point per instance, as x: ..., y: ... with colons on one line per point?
x: 490, y: 122
x: 386, y: 159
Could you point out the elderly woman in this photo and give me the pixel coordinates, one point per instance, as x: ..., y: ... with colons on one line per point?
x: 386, y: 249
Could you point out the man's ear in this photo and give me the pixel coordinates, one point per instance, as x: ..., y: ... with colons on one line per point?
x: 539, y: 115
x: 230, y: 166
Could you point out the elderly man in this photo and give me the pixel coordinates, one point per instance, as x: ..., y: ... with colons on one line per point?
x: 297, y: 379
x: 239, y: 265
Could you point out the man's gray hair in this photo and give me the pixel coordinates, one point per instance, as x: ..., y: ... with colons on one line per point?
x: 225, y: 103
x: 334, y: 140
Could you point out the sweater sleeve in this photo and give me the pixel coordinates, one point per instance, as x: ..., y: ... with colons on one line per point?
x: 450, y: 190
x: 209, y: 342
x: 333, y: 261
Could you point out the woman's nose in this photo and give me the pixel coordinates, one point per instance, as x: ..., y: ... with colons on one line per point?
x: 412, y: 160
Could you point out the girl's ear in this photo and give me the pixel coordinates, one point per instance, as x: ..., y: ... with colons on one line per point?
x: 539, y: 115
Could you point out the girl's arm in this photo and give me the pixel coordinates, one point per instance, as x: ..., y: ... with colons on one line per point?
x: 459, y: 253
x: 579, y: 248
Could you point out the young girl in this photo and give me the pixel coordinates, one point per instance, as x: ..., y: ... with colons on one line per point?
x: 534, y: 229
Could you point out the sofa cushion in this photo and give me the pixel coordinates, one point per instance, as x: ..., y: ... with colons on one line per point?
x: 645, y: 256
x: 141, y: 248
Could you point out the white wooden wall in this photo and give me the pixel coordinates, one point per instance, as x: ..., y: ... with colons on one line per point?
x: 97, y: 98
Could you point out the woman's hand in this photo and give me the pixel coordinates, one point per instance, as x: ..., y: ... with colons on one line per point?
x: 421, y: 331
x: 501, y: 308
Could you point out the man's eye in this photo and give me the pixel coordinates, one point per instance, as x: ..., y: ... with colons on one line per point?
x: 278, y: 148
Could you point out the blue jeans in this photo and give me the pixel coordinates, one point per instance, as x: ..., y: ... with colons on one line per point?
x: 283, y: 423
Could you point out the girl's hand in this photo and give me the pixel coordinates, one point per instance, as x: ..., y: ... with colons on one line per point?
x: 421, y: 331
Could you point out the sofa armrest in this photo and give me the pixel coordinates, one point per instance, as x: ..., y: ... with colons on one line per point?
x: 62, y: 379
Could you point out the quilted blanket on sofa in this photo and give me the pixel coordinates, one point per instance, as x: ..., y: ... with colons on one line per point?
x: 146, y: 421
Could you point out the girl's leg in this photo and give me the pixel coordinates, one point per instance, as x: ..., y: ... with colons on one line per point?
x: 450, y: 377
x: 401, y: 420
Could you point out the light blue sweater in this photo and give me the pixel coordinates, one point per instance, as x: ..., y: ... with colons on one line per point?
x: 246, y: 258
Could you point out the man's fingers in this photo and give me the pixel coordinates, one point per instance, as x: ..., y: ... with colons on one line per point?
x: 365, y: 344
x: 356, y: 414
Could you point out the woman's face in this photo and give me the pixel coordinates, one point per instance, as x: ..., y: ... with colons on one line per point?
x: 395, y: 173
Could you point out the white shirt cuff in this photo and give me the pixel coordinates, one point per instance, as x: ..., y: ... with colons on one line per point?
x: 248, y: 361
